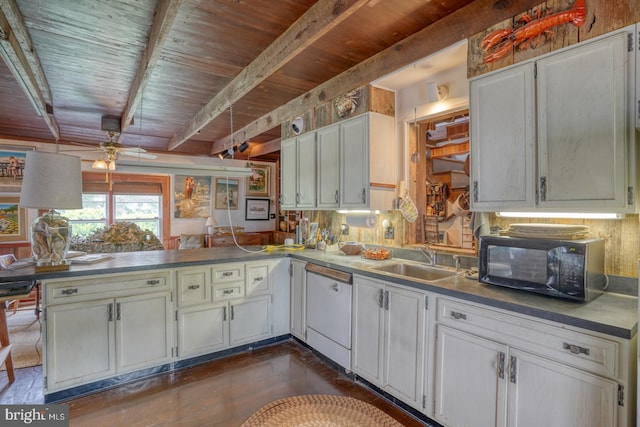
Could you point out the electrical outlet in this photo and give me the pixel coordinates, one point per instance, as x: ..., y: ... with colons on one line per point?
x: 345, y: 229
x: 388, y: 232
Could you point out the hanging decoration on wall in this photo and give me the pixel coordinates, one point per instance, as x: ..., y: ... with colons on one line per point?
x: 346, y: 104
x: 502, y: 41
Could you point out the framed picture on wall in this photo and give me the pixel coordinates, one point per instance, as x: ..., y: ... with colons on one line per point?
x: 258, y: 182
x: 192, y: 196
x: 12, y: 163
x: 13, y: 220
x: 226, y: 193
x: 257, y: 209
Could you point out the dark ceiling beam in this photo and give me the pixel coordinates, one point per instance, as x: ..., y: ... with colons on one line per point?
x: 162, y: 22
x: 461, y: 24
x: 321, y: 18
x: 16, y: 48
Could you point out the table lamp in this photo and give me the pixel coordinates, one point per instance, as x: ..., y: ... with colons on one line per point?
x: 51, y: 181
x: 211, y: 223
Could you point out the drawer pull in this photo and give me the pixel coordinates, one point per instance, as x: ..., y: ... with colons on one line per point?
x: 258, y: 279
x: 193, y: 287
x: 227, y: 273
x: 153, y: 282
x: 227, y: 291
x: 458, y: 316
x: 576, y: 349
x: 69, y: 291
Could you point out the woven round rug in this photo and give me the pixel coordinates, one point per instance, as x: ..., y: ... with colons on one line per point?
x: 319, y: 410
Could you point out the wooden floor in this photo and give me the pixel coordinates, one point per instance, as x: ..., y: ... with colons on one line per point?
x: 219, y: 393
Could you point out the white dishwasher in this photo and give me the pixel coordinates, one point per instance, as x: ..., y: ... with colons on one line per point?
x: 329, y: 313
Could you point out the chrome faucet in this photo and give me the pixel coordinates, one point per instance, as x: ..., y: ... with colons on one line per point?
x: 457, y: 261
x: 429, y: 253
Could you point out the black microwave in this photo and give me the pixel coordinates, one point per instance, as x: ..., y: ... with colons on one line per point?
x: 571, y: 269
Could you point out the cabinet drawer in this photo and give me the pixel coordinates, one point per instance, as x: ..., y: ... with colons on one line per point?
x: 192, y: 286
x: 258, y: 282
x: 229, y: 291
x: 72, y: 290
x: 584, y: 351
x: 228, y: 273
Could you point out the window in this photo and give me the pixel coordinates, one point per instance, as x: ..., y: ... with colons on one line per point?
x: 132, y: 198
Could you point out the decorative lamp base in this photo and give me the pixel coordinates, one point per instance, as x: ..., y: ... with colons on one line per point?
x: 50, y: 240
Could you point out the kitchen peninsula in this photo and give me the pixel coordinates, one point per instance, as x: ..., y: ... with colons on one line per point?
x: 142, y: 313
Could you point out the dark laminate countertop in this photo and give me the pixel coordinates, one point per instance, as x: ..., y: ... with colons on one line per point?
x: 613, y: 314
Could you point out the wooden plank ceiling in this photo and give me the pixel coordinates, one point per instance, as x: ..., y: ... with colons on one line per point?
x: 171, y: 69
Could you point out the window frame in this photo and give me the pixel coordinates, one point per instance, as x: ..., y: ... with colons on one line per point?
x: 97, y: 178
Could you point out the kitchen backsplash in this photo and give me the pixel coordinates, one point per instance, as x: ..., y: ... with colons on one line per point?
x: 622, y: 238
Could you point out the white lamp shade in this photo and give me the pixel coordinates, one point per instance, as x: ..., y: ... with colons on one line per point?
x: 51, y: 181
x: 211, y: 222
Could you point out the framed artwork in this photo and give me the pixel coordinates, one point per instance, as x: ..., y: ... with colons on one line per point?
x: 257, y: 209
x: 192, y: 196
x: 258, y: 181
x: 13, y: 220
x: 226, y: 195
x: 12, y: 162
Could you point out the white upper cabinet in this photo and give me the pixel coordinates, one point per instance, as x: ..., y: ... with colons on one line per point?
x: 503, y: 139
x: 298, y: 172
x: 582, y: 125
x: 328, y: 154
x: 350, y: 165
x: 556, y: 133
x: 367, y: 162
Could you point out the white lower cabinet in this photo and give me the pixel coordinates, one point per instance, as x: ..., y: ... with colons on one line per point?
x: 494, y: 369
x: 545, y: 392
x: 249, y: 320
x: 89, y: 338
x: 388, y: 337
x: 227, y: 305
x: 469, y: 383
x: 298, y: 283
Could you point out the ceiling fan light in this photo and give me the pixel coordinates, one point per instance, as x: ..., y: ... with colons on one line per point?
x: 112, y: 166
x: 99, y: 164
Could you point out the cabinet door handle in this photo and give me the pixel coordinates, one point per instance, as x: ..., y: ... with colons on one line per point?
x: 543, y: 188
x: 458, y: 316
x: 380, y: 298
x: 337, y: 196
x: 297, y: 198
x: 364, y: 195
x: 193, y: 287
x: 153, y: 282
x: 576, y: 349
x: 475, y: 191
x: 501, y: 357
x: 224, y: 314
x: 110, y: 314
x: 233, y: 312
x: 118, y: 311
x: 386, y: 300
x: 513, y: 369
x: 69, y: 291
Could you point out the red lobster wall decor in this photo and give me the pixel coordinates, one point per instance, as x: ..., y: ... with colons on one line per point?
x: 502, y: 41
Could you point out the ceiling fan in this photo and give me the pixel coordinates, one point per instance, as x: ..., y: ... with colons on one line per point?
x: 111, y: 150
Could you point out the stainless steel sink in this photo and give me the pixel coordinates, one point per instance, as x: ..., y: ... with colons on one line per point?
x: 415, y: 271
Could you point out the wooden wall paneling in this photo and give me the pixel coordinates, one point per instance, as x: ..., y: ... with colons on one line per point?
x: 601, y: 17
